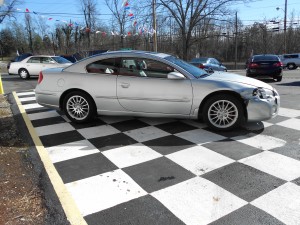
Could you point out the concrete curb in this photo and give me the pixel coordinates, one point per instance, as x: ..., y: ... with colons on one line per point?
x: 68, y: 204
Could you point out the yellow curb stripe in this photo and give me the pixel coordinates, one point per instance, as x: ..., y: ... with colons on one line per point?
x: 1, y: 86
x: 72, y: 212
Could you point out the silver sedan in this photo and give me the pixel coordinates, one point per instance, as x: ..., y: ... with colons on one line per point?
x: 146, y: 84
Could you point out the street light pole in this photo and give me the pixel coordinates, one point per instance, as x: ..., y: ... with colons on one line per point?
x: 154, y: 26
x: 284, y: 28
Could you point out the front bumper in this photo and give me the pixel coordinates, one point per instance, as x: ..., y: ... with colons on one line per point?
x: 263, y: 109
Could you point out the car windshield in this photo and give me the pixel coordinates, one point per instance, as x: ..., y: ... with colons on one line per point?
x: 199, y: 60
x: 195, y: 71
x: 60, y: 60
x: 265, y: 58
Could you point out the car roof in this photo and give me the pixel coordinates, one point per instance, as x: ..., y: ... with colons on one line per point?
x: 132, y: 52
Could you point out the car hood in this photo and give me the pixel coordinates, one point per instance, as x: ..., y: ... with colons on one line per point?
x: 231, y: 77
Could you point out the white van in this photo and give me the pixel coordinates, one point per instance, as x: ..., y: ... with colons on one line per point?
x: 291, y: 61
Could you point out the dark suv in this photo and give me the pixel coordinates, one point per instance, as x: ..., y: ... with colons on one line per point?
x: 264, y: 66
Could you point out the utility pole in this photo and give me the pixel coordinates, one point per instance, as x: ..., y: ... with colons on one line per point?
x: 154, y: 26
x: 284, y: 28
x: 235, y: 50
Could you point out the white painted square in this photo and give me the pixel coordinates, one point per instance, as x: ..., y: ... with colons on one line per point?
x: 114, y: 119
x: 71, y: 150
x: 283, y: 203
x: 198, y: 201
x: 103, y: 191
x: 291, y: 123
x: 199, y: 160
x: 275, y: 164
x: 200, y: 136
x: 98, y: 131
x: 131, y: 155
x: 53, y: 129
x: 26, y: 93
x: 43, y: 115
x: 156, y: 121
x: 27, y: 99
x: 261, y: 141
x: 146, y: 133
x: 32, y: 106
x: 288, y: 112
x: 267, y: 124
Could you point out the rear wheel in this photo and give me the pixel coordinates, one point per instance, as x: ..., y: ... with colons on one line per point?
x: 79, y: 107
x: 291, y: 66
x: 223, y: 112
x: 278, y: 79
x: 23, y: 73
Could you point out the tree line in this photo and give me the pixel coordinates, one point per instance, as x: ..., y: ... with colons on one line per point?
x: 187, y: 29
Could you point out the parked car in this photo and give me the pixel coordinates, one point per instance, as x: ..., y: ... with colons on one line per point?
x: 18, y: 59
x: 290, y: 61
x: 265, y: 66
x: 209, y: 64
x: 145, y: 84
x: 31, y: 66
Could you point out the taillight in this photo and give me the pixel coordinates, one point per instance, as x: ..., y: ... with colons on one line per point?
x: 40, y: 77
x: 253, y: 65
x: 278, y: 64
x: 201, y: 66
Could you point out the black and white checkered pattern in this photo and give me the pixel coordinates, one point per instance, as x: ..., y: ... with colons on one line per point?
x: 123, y: 170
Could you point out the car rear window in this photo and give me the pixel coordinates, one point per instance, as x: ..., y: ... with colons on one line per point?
x: 265, y: 58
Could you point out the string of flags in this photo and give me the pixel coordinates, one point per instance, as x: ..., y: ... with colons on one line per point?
x: 142, y: 29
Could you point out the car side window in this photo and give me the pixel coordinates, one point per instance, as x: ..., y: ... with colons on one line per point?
x: 105, y: 66
x: 143, y: 67
x: 47, y: 60
x: 34, y: 60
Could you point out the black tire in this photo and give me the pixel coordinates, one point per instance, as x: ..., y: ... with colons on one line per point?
x: 278, y: 79
x: 79, y: 107
x: 291, y: 66
x: 24, y: 74
x: 223, y: 112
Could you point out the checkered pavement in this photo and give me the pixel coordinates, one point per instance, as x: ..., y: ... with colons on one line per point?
x: 123, y: 170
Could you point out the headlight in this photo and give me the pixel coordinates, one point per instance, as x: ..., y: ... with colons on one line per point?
x: 262, y: 93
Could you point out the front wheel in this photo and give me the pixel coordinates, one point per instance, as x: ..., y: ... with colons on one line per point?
x: 79, y: 107
x: 223, y: 112
x: 23, y: 73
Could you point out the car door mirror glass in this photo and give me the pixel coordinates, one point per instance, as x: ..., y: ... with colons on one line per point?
x: 176, y: 76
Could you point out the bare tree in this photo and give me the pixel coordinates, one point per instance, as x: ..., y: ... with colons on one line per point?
x: 189, y: 13
x: 7, y: 9
x: 30, y: 29
x: 89, y: 8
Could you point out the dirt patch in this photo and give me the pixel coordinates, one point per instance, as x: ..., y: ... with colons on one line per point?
x: 21, y: 199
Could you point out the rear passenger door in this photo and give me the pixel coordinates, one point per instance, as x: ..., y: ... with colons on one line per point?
x: 34, y: 65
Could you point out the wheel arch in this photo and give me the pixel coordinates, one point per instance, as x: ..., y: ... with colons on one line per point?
x: 62, y: 97
x: 228, y: 92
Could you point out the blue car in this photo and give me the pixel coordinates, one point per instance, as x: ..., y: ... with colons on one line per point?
x: 208, y: 64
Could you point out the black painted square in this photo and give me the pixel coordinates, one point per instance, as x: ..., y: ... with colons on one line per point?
x: 145, y: 210
x: 176, y: 127
x: 129, y: 125
x: 248, y: 215
x: 83, y: 167
x: 48, y: 121
x: 232, y: 149
x: 157, y: 174
x: 244, y: 181
x: 169, y: 144
x: 112, y: 141
x: 93, y: 123
x: 61, y: 138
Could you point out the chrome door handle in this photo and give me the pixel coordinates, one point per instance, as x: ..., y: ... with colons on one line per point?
x: 125, y: 85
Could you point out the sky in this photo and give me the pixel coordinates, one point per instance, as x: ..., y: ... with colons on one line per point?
x: 255, y: 11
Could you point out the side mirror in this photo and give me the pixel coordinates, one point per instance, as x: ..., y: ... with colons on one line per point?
x: 176, y: 76
x: 209, y: 70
